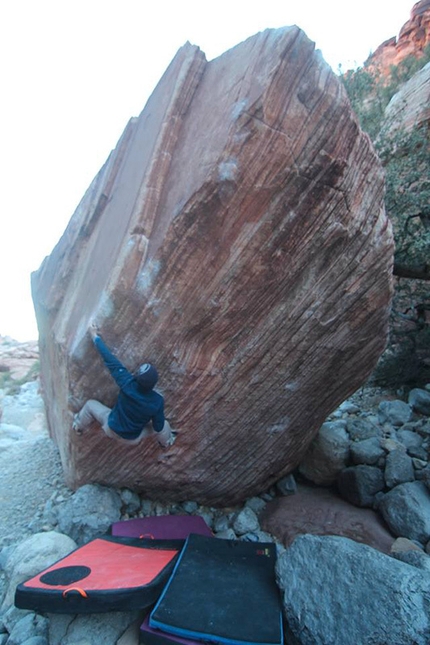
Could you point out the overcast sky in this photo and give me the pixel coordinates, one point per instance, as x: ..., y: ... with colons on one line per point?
x: 75, y: 71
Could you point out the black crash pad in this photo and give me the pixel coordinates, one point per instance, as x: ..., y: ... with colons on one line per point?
x: 223, y: 591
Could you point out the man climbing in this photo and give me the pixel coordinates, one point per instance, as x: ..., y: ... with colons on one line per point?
x: 136, y: 406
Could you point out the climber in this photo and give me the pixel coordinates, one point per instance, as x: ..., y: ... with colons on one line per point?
x: 136, y: 406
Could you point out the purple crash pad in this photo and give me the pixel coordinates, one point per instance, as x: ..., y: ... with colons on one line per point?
x: 163, y: 527
x: 151, y: 636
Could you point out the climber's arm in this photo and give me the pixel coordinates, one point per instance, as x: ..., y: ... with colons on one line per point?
x: 115, y: 367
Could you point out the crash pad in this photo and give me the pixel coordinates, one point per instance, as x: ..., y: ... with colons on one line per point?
x: 106, y: 574
x: 223, y: 591
x: 168, y: 527
x: 151, y: 636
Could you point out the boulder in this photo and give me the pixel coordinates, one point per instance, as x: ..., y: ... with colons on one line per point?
x: 322, y: 512
x: 359, y: 484
x: 360, y: 429
x: 396, y: 413
x: 32, y: 556
x: 29, y: 627
x: 338, y: 591
x: 89, y: 512
x: 368, y: 451
x: 399, y: 468
x: 406, y: 509
x: 90, y: 629
x: 328, y: 454
x: 419, y: 399
x: 236, y: 237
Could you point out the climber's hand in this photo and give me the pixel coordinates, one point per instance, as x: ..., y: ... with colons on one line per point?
x: 94, y: 331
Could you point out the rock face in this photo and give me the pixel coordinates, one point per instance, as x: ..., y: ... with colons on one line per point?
x: 237, y: 238
x: 412, y: 40
x: 409, y: 107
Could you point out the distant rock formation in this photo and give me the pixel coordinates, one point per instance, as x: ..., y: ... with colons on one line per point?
x: 412, y: 40
x: 236, y: 237
x: 410, y: 106
x: 16, y: 358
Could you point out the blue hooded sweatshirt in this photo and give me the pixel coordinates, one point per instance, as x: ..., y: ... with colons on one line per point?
x: 134, y: 407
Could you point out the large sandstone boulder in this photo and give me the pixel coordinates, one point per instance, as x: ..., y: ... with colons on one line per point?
x: 237, y: 238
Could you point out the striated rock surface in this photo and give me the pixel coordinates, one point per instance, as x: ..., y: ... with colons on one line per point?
x: 412, y: 40
x: 410, y: 106
x: 237, y: 238
x: 321, y: 512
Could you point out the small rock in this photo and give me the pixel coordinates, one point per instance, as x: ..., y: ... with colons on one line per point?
x: 207, y: 515
x: 228, y: 534
x: 12, y: 616
x: 359, y: 484
x: 190, y: 507
x: 246, y: 522
x: 418, y: 453
x: 417, y: 559
x: 419, y: 400
x: 395, y: 412
x: 424, y: 475
x: 328, y: 454
x: 389, y: 444
x: 403, y: 544
x: 424, y: 430
x: 368, y: 451
x: 398, y: 469
x: 130, y: 500
x: 147, y: 507
x: 257, y: 504
x: 419, y: 464
x: 409, y: 439
x: 287, y: 485
x: 160, y: 509
x: 257, y: 536
x: 220, y: 524
x: 28, y: 627
x: 360, y: 429
x: 349, y: 407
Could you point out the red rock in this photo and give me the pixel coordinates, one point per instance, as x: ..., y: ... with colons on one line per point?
x: 412, y: 40
x: 237, y: 238
x: 321, y: 512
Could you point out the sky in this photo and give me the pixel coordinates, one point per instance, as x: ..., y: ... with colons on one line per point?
x: 73, y: 73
